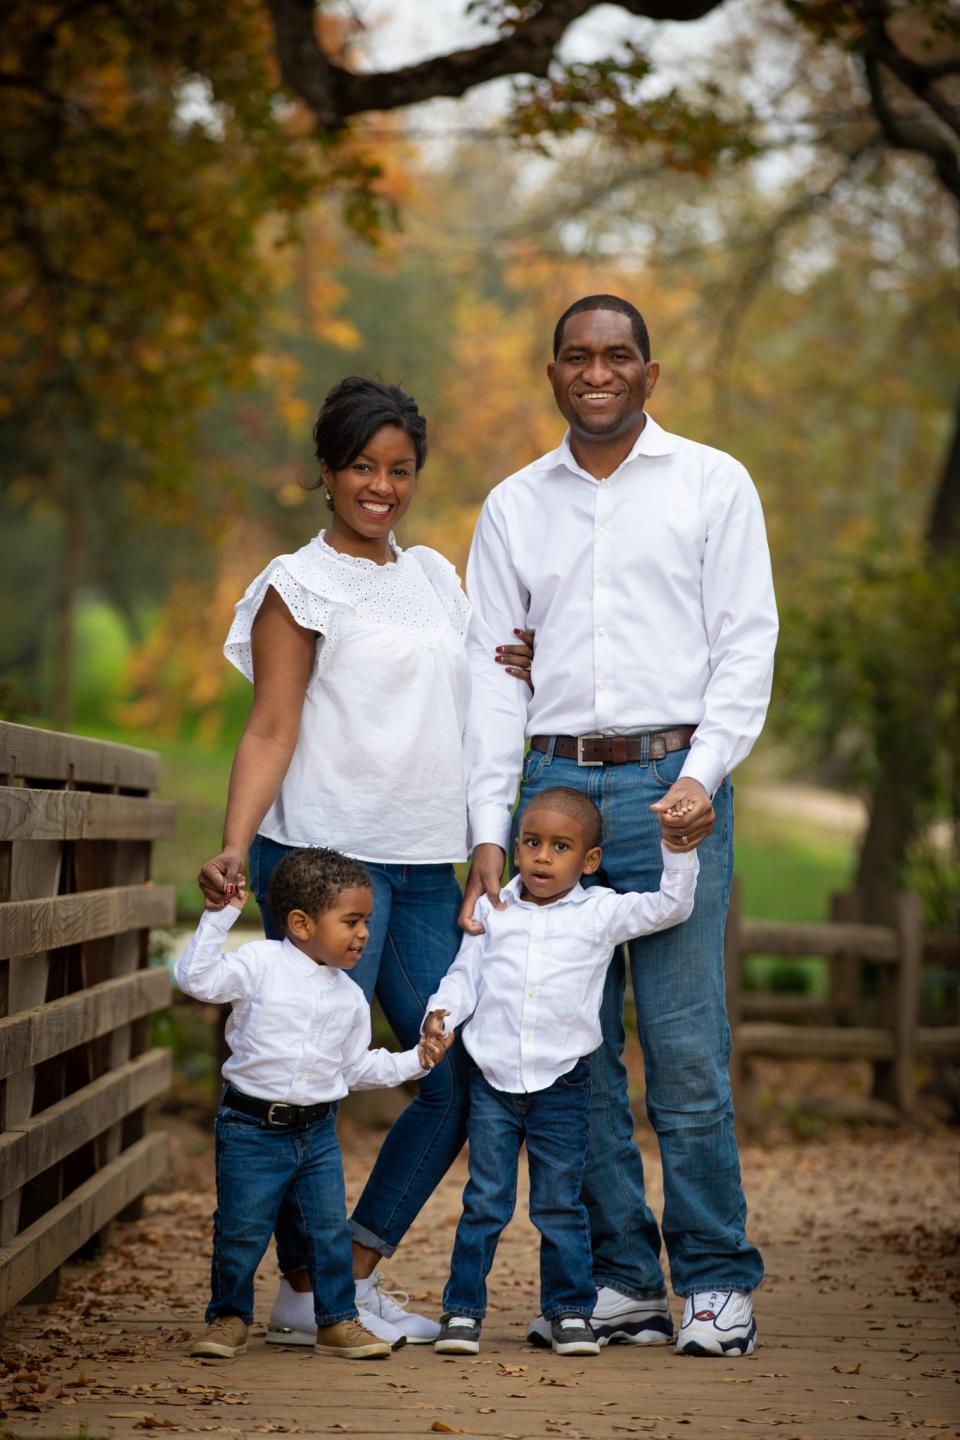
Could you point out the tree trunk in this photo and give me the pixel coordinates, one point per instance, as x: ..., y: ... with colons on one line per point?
x: 893, y: 804
x: 65, y: 612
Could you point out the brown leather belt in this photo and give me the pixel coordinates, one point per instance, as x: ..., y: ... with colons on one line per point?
x: 599, y: 749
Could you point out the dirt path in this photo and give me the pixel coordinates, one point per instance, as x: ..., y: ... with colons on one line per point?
x: 855, y: 1326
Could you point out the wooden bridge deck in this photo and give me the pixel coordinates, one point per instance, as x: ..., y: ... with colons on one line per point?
x: 855, y: 1323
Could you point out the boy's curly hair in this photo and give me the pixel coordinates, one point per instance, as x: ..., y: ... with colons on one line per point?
x: 311, y: 881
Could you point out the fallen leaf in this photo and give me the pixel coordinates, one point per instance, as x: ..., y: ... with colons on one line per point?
x: 853, y: 1369
x: 506, y: 1369
x: 446, y: 1429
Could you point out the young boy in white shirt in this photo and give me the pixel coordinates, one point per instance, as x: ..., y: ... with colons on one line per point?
x: 529, y: 989
x: 299, y: 1037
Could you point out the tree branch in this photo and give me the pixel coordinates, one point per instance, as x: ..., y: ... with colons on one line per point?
x: 335, y: 94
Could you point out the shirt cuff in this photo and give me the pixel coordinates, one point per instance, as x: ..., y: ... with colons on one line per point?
x: 408, y: 1062
x: 704, y: 764
x: 490, y: 825
x: 220, y: 921
x: 674, y: 860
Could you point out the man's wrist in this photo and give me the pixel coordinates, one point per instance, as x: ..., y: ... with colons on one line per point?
x: 704, y: 765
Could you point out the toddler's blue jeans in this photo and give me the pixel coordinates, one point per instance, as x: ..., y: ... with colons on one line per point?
x: 554, y: 1123
x: 678, y: 987
x: 260, y: 1166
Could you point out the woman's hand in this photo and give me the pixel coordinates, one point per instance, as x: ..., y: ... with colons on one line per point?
x: 222, y: 879
x: 517, y: 657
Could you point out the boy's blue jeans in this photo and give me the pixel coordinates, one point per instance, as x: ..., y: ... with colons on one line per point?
x: 678, y: 986
x: 260, y: 1166
x: 414, y: 939
x: 554, y: 1123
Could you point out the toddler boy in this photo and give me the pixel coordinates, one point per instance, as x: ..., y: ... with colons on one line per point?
x: 529, y: 988
x: 299, y: 1036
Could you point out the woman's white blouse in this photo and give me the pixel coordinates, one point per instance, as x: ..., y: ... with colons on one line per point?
x: 378, y: 768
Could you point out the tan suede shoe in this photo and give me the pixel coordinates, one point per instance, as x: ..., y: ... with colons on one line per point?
x: 351, y: 1340
x: 225, y: 1338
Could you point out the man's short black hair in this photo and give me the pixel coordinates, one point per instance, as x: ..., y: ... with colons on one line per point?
x: 312, y: 881
x: 570, y: 802
x: 606, y: 302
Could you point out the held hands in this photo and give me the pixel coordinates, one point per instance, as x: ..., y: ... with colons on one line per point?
x: 517, y: 656
x: 686, y: 815
x: 222, y: 880
x: 435, y: 1042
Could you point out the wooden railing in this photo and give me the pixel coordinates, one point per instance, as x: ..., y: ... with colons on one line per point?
x: 880, y: 1022
x: 76, y: 907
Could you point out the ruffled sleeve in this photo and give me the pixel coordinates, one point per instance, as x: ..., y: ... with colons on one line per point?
x: 299, y: 586
x: 446, y: 582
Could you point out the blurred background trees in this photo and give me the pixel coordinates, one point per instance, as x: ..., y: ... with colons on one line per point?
x: 211, y: 214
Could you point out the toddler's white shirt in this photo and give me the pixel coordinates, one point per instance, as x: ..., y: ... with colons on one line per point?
x: 299, y: 1032
x: 532, y: 984
x: 377, y: 772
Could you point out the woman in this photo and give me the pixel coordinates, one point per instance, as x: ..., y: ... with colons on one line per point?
x: 355, y: 648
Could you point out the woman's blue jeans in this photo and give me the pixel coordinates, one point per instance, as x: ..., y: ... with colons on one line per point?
x: 678, y: 987
x: 414, y: 939
x: 554, y: 1124
x: 260, y: 1167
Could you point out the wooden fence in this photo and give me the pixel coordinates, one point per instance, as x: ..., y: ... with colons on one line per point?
x: 76, y: 907
x: 875, y: 1017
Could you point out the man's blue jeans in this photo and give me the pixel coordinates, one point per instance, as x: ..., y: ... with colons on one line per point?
x: 260, y: 1166
x: 414, y: 939
x: 678, y: 986
x: 554, y: 1123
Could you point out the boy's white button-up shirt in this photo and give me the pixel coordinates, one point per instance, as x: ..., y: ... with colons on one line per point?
x: 298, y: 1032
x: 651, y: 598
x: 530, y: 986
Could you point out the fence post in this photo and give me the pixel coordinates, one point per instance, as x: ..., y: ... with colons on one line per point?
x: 844, y: 969
x: 910, y: 937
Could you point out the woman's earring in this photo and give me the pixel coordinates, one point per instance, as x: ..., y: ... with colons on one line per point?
x: 326, y: 495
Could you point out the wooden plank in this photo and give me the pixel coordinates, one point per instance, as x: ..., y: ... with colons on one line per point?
x: 941, y: 949
x: 40, y: 1142
x: 938, y: 1042
x: 35, y: 1035
x: 774, y: 1005
x: 30, y: 754
x: 49, y: 1241
x: 910, y: 930
x: 29, y: 926
x: 27, y: 814
x: 815, y: 1042
x: 782, y: 937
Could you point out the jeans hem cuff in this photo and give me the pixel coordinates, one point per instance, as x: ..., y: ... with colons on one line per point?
x: 370, y: 1241
x: 210, y: 1315
x: 649, y: 1292
x: 469, y: 1312
x: 742, y: 1287
x: 352, y: 1314
x: 555, y: 1311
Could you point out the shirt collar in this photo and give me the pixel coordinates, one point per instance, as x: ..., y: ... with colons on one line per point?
x: 511, y: 891
x: 291, y: 952
x: 652, y: 440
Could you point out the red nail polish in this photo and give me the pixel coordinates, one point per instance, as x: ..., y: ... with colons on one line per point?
x: 500, y: 649
x: 518, y: 632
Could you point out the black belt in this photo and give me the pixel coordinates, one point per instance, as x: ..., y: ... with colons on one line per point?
x: 275, y: 1112
x: 597, y: 749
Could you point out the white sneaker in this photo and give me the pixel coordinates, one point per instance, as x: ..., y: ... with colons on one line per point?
x: 378, y: 1304
x: 617, y: 1318
x: 717, y: 1322
x: 292, y: 1320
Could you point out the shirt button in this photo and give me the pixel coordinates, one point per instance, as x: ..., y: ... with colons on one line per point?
x: 603, y: 684
x: 601, y: 631
x: 601, y: 581
x: 531, y: 993
x: 603, y: 529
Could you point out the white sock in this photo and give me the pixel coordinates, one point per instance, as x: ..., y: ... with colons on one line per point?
x: 293, y: 1309
x: 365, y: 1286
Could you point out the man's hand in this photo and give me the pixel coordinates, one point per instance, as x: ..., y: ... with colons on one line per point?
x: 222, y: 879
x: 686, y: 815
x: 433, y: 1025
x: 486, y: 871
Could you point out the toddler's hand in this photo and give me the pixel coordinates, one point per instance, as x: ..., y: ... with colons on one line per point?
x: 240, y: 894
x: 430, y: 1051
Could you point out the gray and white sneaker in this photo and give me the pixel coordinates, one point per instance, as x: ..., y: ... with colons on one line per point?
x: 292, y: 1321
x: 459, y: 1335
x: 717, y: 1322
x: 572, y: 1335
x: 617, y: 1319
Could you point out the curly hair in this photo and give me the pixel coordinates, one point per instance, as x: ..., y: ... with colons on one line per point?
x: 353, y: 411
x: 574, y: 803
x: 312, y: 881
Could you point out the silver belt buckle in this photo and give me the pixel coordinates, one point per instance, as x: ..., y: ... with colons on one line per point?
x: 592, y: 735
x: 278, y: 1105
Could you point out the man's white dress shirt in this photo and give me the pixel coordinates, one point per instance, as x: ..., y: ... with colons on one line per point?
x: 298, y: 1032
x: 651, y: 598
x: 530, y: 986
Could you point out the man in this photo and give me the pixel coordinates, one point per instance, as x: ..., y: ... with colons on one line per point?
x: 640, y: 561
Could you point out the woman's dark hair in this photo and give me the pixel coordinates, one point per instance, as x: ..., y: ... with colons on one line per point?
x: 357, y: 408
x: 312, y: 881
